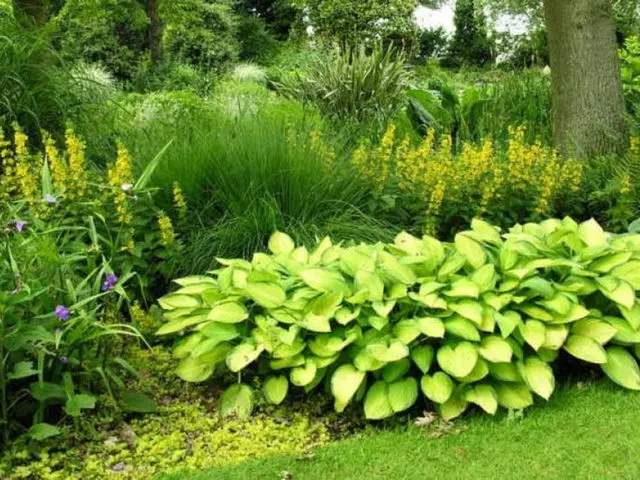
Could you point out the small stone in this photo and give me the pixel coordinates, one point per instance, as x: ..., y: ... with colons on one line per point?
x: 119, y: 467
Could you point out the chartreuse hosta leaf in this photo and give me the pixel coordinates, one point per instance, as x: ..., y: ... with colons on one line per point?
x: 275, y: 389
x: 237, y: 401
x: 477, y: 321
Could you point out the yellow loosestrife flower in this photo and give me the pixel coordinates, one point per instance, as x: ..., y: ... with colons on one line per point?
x: 77, y: 172
x: 179, y: 201
x: 167, y: 232
x: 120, y: 179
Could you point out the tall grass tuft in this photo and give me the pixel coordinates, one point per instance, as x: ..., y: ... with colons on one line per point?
x: 246, y: 175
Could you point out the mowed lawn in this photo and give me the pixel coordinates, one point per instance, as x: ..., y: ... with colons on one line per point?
x: 584, y: 432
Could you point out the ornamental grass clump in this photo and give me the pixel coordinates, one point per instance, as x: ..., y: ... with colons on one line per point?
x: 476, y: 321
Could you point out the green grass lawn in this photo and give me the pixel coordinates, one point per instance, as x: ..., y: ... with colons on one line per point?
x: 588, y: 432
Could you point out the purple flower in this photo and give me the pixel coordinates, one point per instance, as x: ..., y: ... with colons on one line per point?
x: 50, y: 198
x: 64, y: 360
x: 58, y: 331
x: 109, y: 282
x: 62, y: 313
x: 20, y: 224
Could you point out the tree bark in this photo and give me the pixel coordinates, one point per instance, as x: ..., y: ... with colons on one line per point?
x: 587, y: 97
x: 155, y: 31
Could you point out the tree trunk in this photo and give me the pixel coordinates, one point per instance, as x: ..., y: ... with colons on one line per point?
x: 35, y: 11
x: 155, y: 31
x: 588, y: 103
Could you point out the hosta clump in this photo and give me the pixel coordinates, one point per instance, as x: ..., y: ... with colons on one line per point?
x: 477, y: 321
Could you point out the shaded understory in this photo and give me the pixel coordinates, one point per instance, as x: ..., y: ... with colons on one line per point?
x: 586, y: 431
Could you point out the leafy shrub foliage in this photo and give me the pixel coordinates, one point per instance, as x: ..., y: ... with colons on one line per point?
x: 353, y: 83
x: 477, y: 321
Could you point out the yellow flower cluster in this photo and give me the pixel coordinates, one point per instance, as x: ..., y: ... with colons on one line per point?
x: 77, y: 173
x: 56, y: 163
x: 167, y: 232
x: 474, y: 179
x: 120, y: 179
x: 179, y: 202
x: 27, y: 169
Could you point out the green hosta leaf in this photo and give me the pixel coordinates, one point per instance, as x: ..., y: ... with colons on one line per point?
x: 395, y: 370
x: 472, y: 250
x: 184, y: 346
x: 395, y: 270
x: 287, y: 351
x: 275, y: 389
x: 173, y: 301
x: 458, y: 360
x: 626, y: 333
x: 431, y: 327
x: 632, y: 315
x: 229, y: 312
x: 453, y: 408
x: 576, y: 313
x: 438, y: 387
x: 181, y: 324
x: 378, y: 322
x: 195, y: 279
x: 622, y: 368
x: 397, y: 291
x: 288, y: 362
x: 242, y: 355
x: 536, y: 312
x: 371, y: 283
x: 195, y: 369
x: 617, y: 290
x: 463, y: 328
x: 454, y: 263
x: 629, y: 272
x: 463, y: 287
x: 495, y: 349
x: 221, y: 332
x: 515, y: 396
x: 281, y: 243
x: 508, y: 322
x: 403, y: 394
x: 559, y: 303
x: 592, y: 234
x: 353, y: 261
x: 484, y: 396
x: 480, y: 371
x: 586, y: 349
x: 468, y: 309
x: 367, y: 361
x: 345, y: 315
x: 326, y: 304
x: 409, y: 243
x: 422, y: 356
x: 547, y: 355
x: 316, y: 323
x: 345, y: 383
x: 266, y: 294
x: 485, y: 278
x: 42, y: 431
x: 383, y: 309
x: 539, y: 377
x: 325, y: 280
x: 391, y: 352
x: 237, y: 401
x: 534, y: 333
x: 300, y: 255
x: 555, y: 336
x: 507, y: 372
x: 607, y: 263
x: 487, y: 232
x: 376, y: 403
x: 407, y: 331
x: 540, y: 286
x: 303, y: 375
x: 598, y: 330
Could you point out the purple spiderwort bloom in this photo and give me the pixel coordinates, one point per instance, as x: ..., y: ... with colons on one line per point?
x: 62, y: 313
x: 109, y: 282
x: 64, y: 360
x: 20, y: 224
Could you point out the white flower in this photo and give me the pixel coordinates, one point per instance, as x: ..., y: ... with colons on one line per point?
x: 50, y: 198
x: 126, y: 186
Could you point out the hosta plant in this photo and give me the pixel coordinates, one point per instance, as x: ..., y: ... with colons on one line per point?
x: 476, y: 321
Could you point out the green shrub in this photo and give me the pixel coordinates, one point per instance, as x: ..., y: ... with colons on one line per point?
x: 36, y: 88
x: 470, y: 44
x: 477, y: 321
x: 256, y: 43
x: 250, y: 73
x: 353, y: 84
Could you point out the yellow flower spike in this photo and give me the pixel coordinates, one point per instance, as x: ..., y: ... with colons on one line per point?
x: 179, y: 201
x: 120, y: 179
x: 78, y: 173
x: 56, y: 163
x: 167, y: 232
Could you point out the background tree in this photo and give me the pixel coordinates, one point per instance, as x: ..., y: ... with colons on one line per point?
x: 352, y: 22
x: 588, y: 102
x: 470, y: 44
x: 279, y: 16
